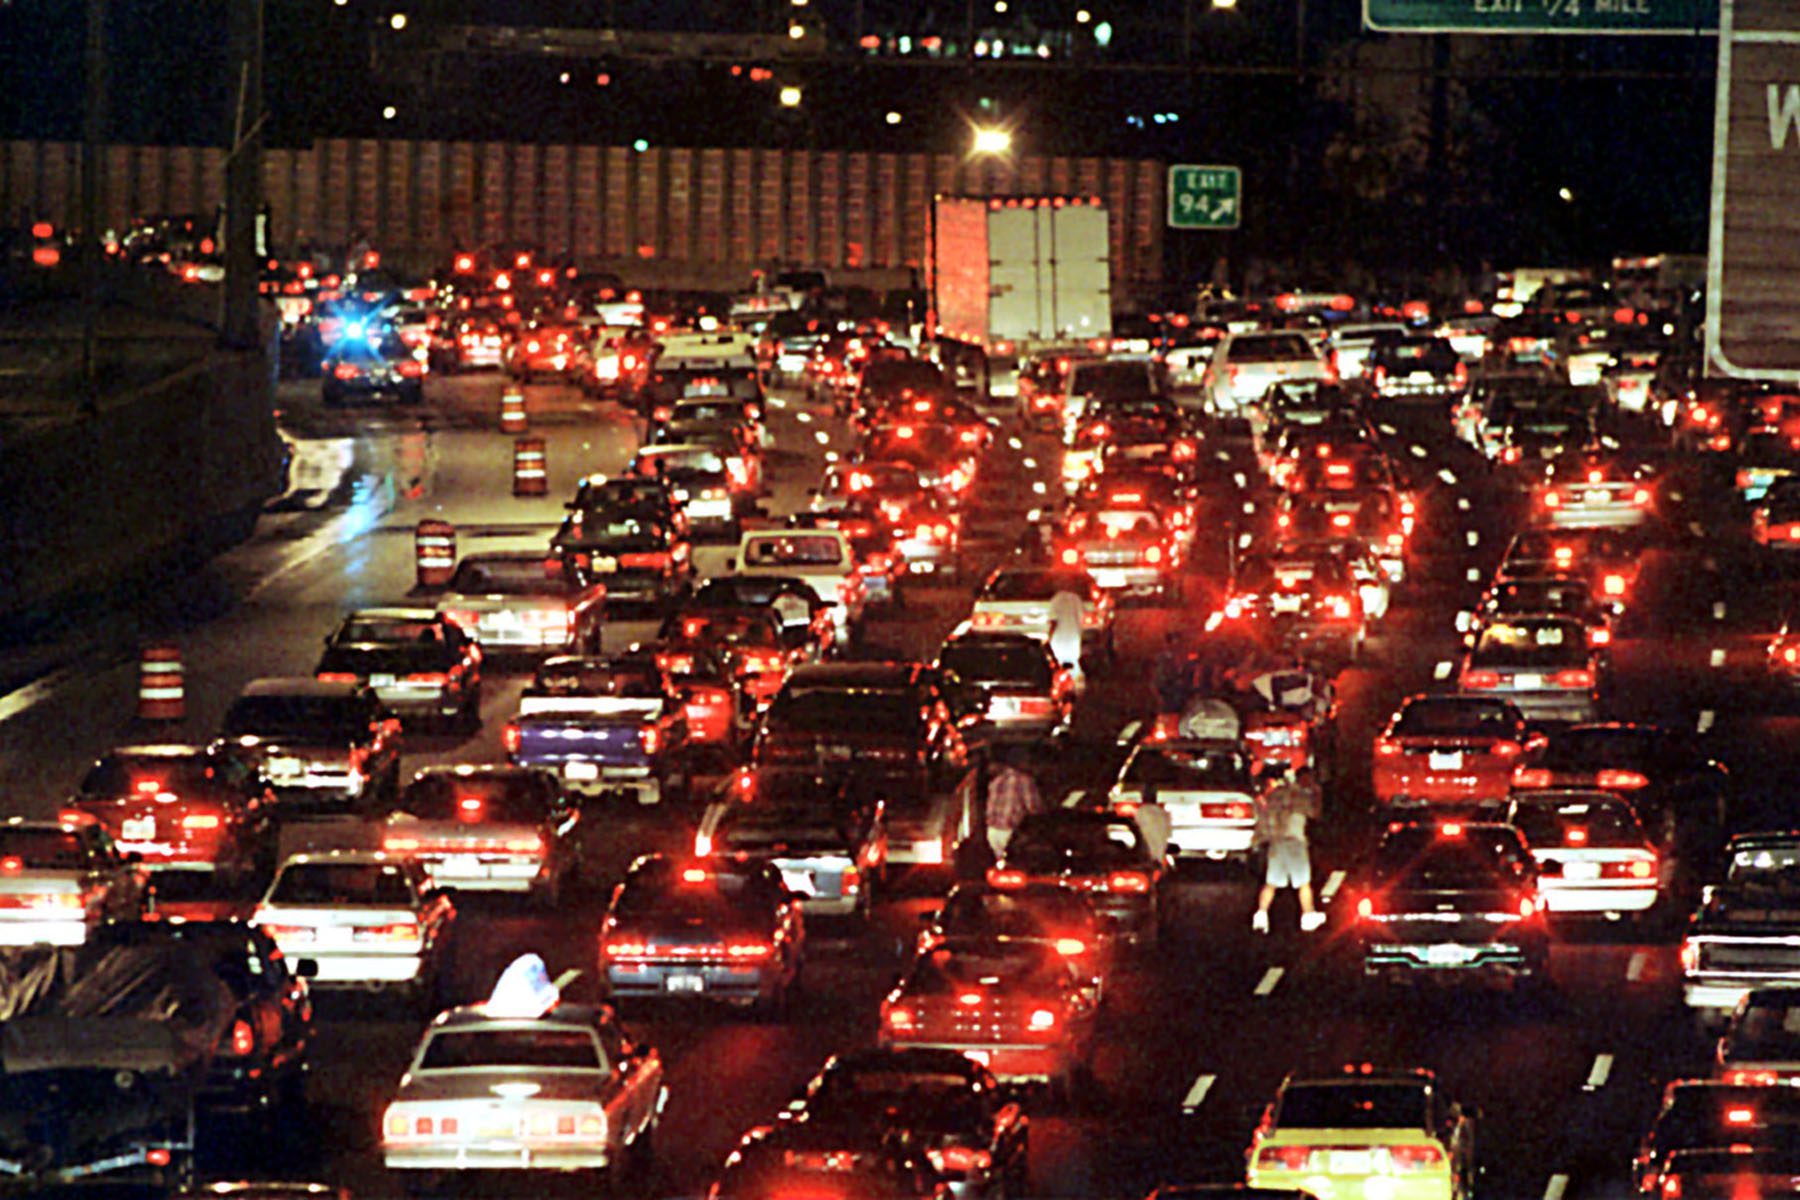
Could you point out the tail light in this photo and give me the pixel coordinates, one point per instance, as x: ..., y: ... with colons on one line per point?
x: 411, y: 368
x: 1128, y: 881
x: 346, y: 371
x: 243, y: 1039
x: 1338, y: 606
x: 1380, y: 375
x: 336, y: 677
x: 1505, y: 749
x: 749, y: 950
x: 1406, y: 1159
x: 1070, y: 947
x: 1042, y: 1019
x: 1284, y: 1158
x: 1599, y: 637
x: 290, y: 933
x: 1153, y: 555
x: 900, y: 1019
x: 998, y: 877
x: 1365, y: 908
x: 1531, y: 777
x: 1552, y: 499
x: 1616, y: 780
x: 627, y: 948
x: 436, y: 677
x: 1613, y: 585
x: 1633, y: 868
x: 651, y: 738
x: 195, y: 821
x: 644, y: 562
x: 1690, y: 955
x: 1071, y: 557
x: 1753, y: 1078
x: 1578, y: 677
x: 401, y: 931
x: 1480, y: 679
x: 1387, y: 748
x: 511, y: 737
x: 960, y: 1158
x: 703, y: 845
x: 1461, y: 375
x: 1510, y: 455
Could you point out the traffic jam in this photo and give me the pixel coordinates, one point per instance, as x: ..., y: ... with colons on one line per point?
x: 676, y: 743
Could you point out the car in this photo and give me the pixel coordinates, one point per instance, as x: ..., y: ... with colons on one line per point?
x: 1454, y: 751
x: 944, y: 463
x: 369, y: 920
x: 1530, y: 441
x: 976, y: 1137
x: 1545, y: 665
x: 1734, y: 1172
x: 488, y: 828
x: 59, y: 879
x: 826, y: 833
x: 1679, y: 791
x: 1101, y: 854
x: 1761, y: 1042
x: 331, y: 745
x: 1006, y: 687
x: 879, y: 559
x: 1126, y: 549
x: 775, y: 1162
x: 1352, y: 343
x: 643, y: 562
x: 1587, y: 489
x: 1307, y: 600
x: 523, y: 603
x: 701, y: 478
x: 1088, y: 377
x: 807, y: 624
x: 1017, y: 599
x: 713, y: 928
x: 178, y: 804
x: 555, y: 349
x: 420, y: 664
x: 1042, y: 379
x: 749, y: 640
x: 604, y: 726
x: 1593, y: 857
x: 1246, y: 365
x: 1608, y: 559
x: 1451, y: 899
x: 1366, y: 1132
x: 1204, y: 786
x: 867, y: 712
x: 1018, y: 1008
x: 1053, y: 915
x: 576, y: 1091
x: 1413, y: 367
x: 601, y: 496
x: 1525, y: 595
x: 1702, y: 1114
x: 1743, y: 934
x: 734, y: 441
x: 370, y: 365
x: 824, y: 559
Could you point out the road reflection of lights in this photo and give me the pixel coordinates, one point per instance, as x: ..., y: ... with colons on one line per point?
x: 318, y: 469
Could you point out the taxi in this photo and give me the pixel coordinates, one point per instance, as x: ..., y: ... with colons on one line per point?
x: 525, y: 1082
x: 1366, y: 1134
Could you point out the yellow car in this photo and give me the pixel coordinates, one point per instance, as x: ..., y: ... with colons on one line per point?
x: 1366, y: 1135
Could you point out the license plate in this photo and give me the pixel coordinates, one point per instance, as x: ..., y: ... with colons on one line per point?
x: 581, y: 770
x: 382, y: 680
x: 1526, y: 683
x: 332, y: 935
x: 503, y: 619
x: 464, y: 866
x: 1288, y: 604
x: 1581, y: 870
x: 1446, y: 760
x: 684, y: 983
x: 1352, y: 1162
x: 1420, y: 377
x: 798, y: 881
x: 137, y: 829
x: 1108, y: 579
x: 709, y: 508
x: 605, y: 566
x: 1448, y: 955
x: 286, y: 768
x: 1594, y: 496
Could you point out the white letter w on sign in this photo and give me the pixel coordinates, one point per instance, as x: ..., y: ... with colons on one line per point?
x: 1784, y: 113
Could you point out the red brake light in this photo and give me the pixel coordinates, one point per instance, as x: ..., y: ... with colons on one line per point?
x: 1451, y: 829
x: 1530, y: 777
x: 695, y: 875
x: 1505, y: 749
x: 243, y: 1038
x: 1284, y: 1158
x: 1000, y: 878
x: 1386, y: 747
x: 1070, y: 947
x: 1615, y: 780
x: 201, y: 821
x: 510, y: 738
x: 1127, y: 881
x: 1481, y: 679
x: 323, y: 677
x: 1740, y: 1116
x: 1614, y: 585
x: 1365, y: 908
x: 1575, y: 835
x: 651, y: 737
x: 1414, y: 1158
x: 1071, y: 557
x: 1578, y: 677
x: 900, y: 1018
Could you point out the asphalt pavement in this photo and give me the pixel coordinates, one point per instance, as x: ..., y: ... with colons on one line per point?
x: 1195, y: 1038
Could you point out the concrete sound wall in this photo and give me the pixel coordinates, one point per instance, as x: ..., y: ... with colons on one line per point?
x: 704, y: 208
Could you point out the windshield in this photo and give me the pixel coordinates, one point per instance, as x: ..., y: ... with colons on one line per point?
x: 507, y: 577
x: 1353, y: 1106
x: 43, y: 849
x: 544, y: 1049
x: 1020, y: 665
x: 1175, y: 767
x: 339, y: 718
x: 476, y: 799
x: 332, y: 884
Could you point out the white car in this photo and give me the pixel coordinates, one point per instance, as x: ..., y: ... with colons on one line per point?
x: 823, y: 558
x: 1017, y: 600
x: 1247, y: 365
x: 524, y: 1082
x: 1350, y: 345
x: 59, y: 878
x: 368, y: 919
x: 1593, y: 856
x: 1204, y: 786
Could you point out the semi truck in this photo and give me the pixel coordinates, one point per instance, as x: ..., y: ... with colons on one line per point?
x: 1010, y: 275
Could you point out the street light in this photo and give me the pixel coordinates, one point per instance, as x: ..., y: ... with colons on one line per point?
x: 796, y: 31
x: 893, y: 118
x: 398, y: 21
x: 790, y: 96
x: 991, y: 139
x: 1083, y: 17
x: 389, y: 113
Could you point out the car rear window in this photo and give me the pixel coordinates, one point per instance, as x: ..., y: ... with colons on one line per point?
x: 1531, y: 644
x: 329, y: 884
x: 1769, y: 1028
x: 985, y: 964
x: 476, y: 799
x: 830, y: 710
x: 1353, y: 1106
x: 1033, y: 585
x: 1466, y: 718
x: 1020, y: 665
x: 552, y: 1049
x: 1601, y: 746
x: 334, y: 717
x: 150, y: 776
x: 1175, y: 767
x: 1050, y: 842
x: 662, y: 889
x: 508, y: 577
x: 43, y: 849
x: 1591, y: 821
x: 1274, y: 348
x: 794, y: 550
x: 1436, y: 860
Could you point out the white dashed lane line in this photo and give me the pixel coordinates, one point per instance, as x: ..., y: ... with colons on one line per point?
x: 1196, y: 1095
x: 1419, y: 451
x: 1448, y: 476
x: 1707, y: 716
x: 1074, y: 798
x: 1717, y: 658
x: 1600, y: 1073
x: 1333, y: 882
x: 1442, y: 671
x: 1129, y: 734
x: 1270, y: 981
x: 1634, y: 969
x: 1556, y: 1187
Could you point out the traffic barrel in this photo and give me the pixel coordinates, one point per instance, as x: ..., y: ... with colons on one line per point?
x: 434, y: 550
x: 530, y: 478
x: 512, y: 411
x: 162, y: 694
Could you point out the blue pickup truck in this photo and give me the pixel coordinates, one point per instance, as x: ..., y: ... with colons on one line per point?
x: 606, y: 726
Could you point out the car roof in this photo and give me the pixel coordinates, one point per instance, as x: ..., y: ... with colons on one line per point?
x: 355, y: 858
x: 300, y: 685
x: 396, y: 613
x: 859, y: 674
x: 571, y: 1017
x: 156, y: 750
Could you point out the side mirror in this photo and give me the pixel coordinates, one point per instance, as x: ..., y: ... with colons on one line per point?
x: 307, y: 968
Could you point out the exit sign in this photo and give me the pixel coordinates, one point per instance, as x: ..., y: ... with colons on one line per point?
x: 1542, y: 16
x: 1205, y: 197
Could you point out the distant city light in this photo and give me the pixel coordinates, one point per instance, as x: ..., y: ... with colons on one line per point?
x: 991, y: 139
x: 398, y: 20
x: 790, y: 97
x: 1083, y: 17
x: 640, y: 145
x: 1565, y: 195
x: 389, y: 113
x: 563, y: 78
x: 893, y: 118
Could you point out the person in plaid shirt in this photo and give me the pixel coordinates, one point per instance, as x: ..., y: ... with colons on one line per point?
x: 1011, y: 797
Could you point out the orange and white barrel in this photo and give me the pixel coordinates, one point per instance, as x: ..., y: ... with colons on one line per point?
x: 162, y: 688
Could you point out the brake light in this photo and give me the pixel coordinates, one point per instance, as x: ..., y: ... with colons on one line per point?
x: 625, y: 948
x: 900, y: 1019
x: 1365, y: 908
x: 323, y: 677
x: 695, y: 875
x: 243, y: 1039
x: 1616, y: 780
x: 200, y: 821
x: 1128, y: 881
x: 1042, y: 1019
x: 1575, y: 836
x: 1613, y: 585
x: 998, y: 877
x: 1071, y: 557
x: 1509, y: 455
x: 346, y: 371
x: 1338, y: 606
x: 1530, y: 777
x: 1153, y: 555
x: 745, y: 950
x: 960, y: 1158
x: 1528, y: 906
x: 1740, y: 1116
x: 403, y: 931
x: 1577, y: 677
x: 511, y: 738
x: 1386, y: 747
x: 1552, y: 499
x: 1635, y: 868
x: 1414, y: 1158
x: 1071, y: 947
x: 1284, y: 1158
x: 1480, y: 679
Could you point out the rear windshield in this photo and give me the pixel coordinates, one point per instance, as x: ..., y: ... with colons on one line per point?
x: 794, y: 550
x: 1769, y: 1027
x: 661, y: 889
x: 1174, y: 767
x: 1274, y: 348
x: 476, y: 799
x: 507, y: 577
x: 43, y: 849
x: 1033, y: 585
x: 555, y: 1049
x: 1467, y: 718
x: 1005, y: 965
x: 1049, y: 843
x: 1531, y: 644
x: 148, y: 777
x: 830, y: 710
x: 1353, y: 1106
x: 332, y: 884
x: 616, y: 683
x: 1594, y: 822
x: 1475, y: 858
x: 1091, y: 379
x: 975, y: 912
x: 700, y: 461
x: 904, y: 374
x: 336, y: 717
x: 1562, y: 595
x: 383, y: 631
x: 1023, y: 665
x: 1574, y: 749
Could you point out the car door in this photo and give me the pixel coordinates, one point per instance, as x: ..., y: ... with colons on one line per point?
x: 638, y: 1080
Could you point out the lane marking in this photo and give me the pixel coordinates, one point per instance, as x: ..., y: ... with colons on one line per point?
x: 823, y: 438
x: 1074, y: 798
x: 1473, y: 537
x: 1556, y: 1187
x: 1705, y: 722
x: 1389, y: 430
x: 1196, y: 1095
x: 805, y: 418
x: 1447, y: 475
x: 831, y: 456
x: 1602, y: 1071
x: 1718, y: 610
x: 1270, y: 981
x: 1127, y: 734
x: 1634, y: 970
x: 1241, y: 481
x: 1039, y: 488
x: 1462, y: 503
x: 1419, y: 451
x: 1222, y: 455
x: 33, y: 693
x: 1031, y: 464
x: 1333, y: 882
x: 1718, y: 657
x: 1442, y: 670
x: 1474, y: 575
x: 1015, y: 443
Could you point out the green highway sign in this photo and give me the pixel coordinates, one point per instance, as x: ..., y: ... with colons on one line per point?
x: 1205, y: 197
x: 1542, y: 16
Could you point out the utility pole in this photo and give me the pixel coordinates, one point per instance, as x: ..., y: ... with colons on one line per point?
x: 243, y: 178
x: 93, y: 135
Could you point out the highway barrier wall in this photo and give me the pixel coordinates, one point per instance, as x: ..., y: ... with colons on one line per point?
x: 724, y: 209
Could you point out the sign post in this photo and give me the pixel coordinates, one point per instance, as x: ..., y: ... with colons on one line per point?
x: 1667, y: 17
x: 1205, y: 197
x: 1753, y: 260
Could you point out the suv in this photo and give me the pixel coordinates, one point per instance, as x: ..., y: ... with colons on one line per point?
x: 869, y: 712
